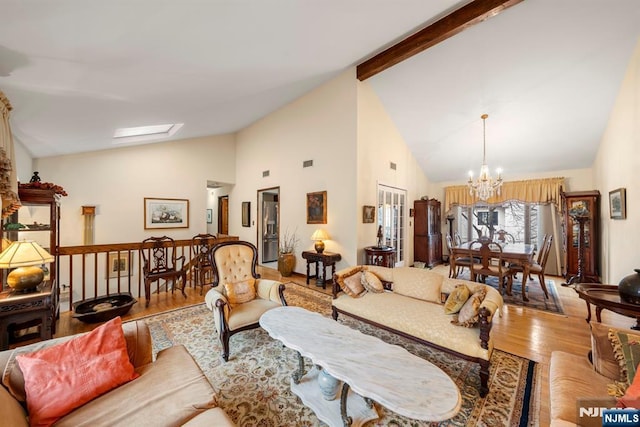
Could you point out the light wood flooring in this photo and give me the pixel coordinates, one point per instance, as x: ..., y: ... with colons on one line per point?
x: 525, y: 332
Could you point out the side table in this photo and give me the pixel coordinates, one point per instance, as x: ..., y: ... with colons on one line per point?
x: 328, y: 259
x: 607, y: 297
x: 382, y: 256
x: 37, y: 308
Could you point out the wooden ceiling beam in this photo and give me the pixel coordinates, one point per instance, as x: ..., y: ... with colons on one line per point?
x: 470, y: 14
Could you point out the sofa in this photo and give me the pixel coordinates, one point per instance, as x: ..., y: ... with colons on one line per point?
x: 170, y: 391
x: 412, y: 305
x: 585, y: 381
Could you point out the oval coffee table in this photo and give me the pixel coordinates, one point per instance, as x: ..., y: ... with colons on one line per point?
x: 371, y: 368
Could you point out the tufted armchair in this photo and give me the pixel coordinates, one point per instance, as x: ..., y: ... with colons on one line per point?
x: 239, y: 297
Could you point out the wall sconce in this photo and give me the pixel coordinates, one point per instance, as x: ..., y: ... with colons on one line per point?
x: 319, y: 235
x: 89, y: 213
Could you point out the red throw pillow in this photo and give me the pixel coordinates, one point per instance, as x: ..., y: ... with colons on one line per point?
x: 631, y: 398
x: 63, y: 377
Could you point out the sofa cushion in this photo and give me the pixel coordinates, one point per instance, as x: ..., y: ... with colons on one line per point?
x: 371, y: 282
x: 468, y: 315
x: 604, y: 361
x: 631, y: 398
x: 350, y: 282
x: 456, y: 299
x: 240, y: 292
x: 417, y: 318
x: 417, y: 283
x: 626, y: 348
x: 169, y: 392
x: 75, y: 372
x: 13, y: 414
x: 215, y: 417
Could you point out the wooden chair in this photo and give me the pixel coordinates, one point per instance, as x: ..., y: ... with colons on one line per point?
x: 161, y: 262
x: 502, y: 236
x: 201, y: 268
x: 234, y: 263
x: 538, y: 266
x: 459, y: 262
x: 488, y: 252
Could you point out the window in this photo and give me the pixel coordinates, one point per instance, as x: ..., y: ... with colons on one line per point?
x: 516, y: 218
x: 392, y: 218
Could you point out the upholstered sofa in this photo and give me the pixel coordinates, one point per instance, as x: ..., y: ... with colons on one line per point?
x: 412, y: 306
x: 580, y: 380
x: 170, y: 391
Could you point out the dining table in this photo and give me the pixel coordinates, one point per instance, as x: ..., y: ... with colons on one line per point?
x: 512, y: 253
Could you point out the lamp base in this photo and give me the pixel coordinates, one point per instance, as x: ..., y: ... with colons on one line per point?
x: 319, y: 246
x: 25, y: 279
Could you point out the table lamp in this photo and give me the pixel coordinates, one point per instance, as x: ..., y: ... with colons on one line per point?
x: 26, y: 257
x: 319, y: 235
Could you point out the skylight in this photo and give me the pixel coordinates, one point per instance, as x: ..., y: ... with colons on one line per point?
x: 145, y: 133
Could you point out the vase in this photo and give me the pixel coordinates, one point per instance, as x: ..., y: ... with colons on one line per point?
x: 286, y: 263
x: 629, y: 288
x: 329, y: 386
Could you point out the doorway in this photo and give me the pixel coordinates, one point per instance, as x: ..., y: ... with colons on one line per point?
x: 223, y: 214
x: 268, y: 224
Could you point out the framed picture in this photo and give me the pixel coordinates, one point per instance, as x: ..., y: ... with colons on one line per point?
x: 618, y: 203
x: 209, y: 216
x: 317, y: 207
x: 246, y: 214
x: 166, y: 213
x: 118, y: 265
x: 368, y: 214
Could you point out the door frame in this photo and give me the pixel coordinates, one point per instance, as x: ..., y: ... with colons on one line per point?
x: 259, y: 218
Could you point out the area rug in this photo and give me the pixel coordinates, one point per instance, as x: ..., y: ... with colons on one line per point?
x: 535, y: 294
x: 253, y: 386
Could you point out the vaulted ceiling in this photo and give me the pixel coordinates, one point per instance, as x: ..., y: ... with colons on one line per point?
x: 546, y: 71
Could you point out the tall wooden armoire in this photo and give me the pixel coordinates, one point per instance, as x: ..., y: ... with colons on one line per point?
x: 427, y: 235
x: 591, y: 262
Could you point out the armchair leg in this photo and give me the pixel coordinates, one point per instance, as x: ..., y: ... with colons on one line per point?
x: 484, y: 377
x: 147, y: 292
x: 224, y: 340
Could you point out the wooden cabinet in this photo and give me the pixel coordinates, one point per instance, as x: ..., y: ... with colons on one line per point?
x: 571, y: 230
x: 427, y: 235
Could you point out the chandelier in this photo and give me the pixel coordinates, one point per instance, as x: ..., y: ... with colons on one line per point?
x: 484, y: 187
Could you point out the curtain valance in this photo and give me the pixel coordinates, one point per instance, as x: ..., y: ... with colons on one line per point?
x: 8, y: 175
x: 546, y: 190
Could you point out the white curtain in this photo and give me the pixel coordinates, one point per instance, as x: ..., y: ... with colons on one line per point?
x: 8, y: 176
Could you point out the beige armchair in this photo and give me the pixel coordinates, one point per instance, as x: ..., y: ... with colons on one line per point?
x: 239, y: 297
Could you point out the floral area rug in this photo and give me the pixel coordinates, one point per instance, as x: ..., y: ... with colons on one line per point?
x: 535, y: 294
x: 253, y: 386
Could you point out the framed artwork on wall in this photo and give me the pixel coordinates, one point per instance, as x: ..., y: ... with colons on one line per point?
x: 317, y: 207
x: 368, y: 214
x: 618, y: 203
x: 166, y: 213
x: 118, y: 265
x: 209, y: 216
x: 246, y: 214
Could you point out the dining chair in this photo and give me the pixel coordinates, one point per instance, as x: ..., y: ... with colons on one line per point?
x: 161, y: 263
x: 457, y: 263
x: 537, y: 267
x: 504, y: 236
x: 488, y: 252
x: 201, y: 268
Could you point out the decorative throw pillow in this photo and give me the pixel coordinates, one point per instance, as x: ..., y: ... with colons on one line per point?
x: 631, y: 398
x: 468, y: 314
x: 353, y: 285
x: 603, y: 359
x: 371, y: 282
x: 240, y: 292
x: 456, y: 299
x: 75, y: 372
x: 626, y: 349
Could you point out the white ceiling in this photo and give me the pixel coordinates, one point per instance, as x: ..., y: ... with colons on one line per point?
x: 546, y: 72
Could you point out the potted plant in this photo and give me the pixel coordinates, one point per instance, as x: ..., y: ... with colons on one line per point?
x: 287, y: 258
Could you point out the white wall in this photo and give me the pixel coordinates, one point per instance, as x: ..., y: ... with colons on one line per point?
x: 617, y: 165
x: 117, y: 181
x: 319, y: 126
x: 380, y: 143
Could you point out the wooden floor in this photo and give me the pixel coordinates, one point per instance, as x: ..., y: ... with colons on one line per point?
x: 525, y: 332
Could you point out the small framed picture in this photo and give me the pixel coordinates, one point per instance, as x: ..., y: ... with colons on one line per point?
x: 209, y: 216
x: 618, y: 203
x: 118, y: 265
x: 317, y: 207
x: 368, y: 214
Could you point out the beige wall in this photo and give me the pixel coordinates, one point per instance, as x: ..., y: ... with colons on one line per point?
x: 118, y: 180
x: 380, y: 143
x: 617, y: 165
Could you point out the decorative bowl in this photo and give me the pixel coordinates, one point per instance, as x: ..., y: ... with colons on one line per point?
x: 101, y: 309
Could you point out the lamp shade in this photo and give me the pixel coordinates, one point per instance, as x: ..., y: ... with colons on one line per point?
x: 320, y: 234
x: 24, y: 253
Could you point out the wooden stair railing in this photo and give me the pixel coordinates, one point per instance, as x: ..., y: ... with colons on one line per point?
x: 83, y: 271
